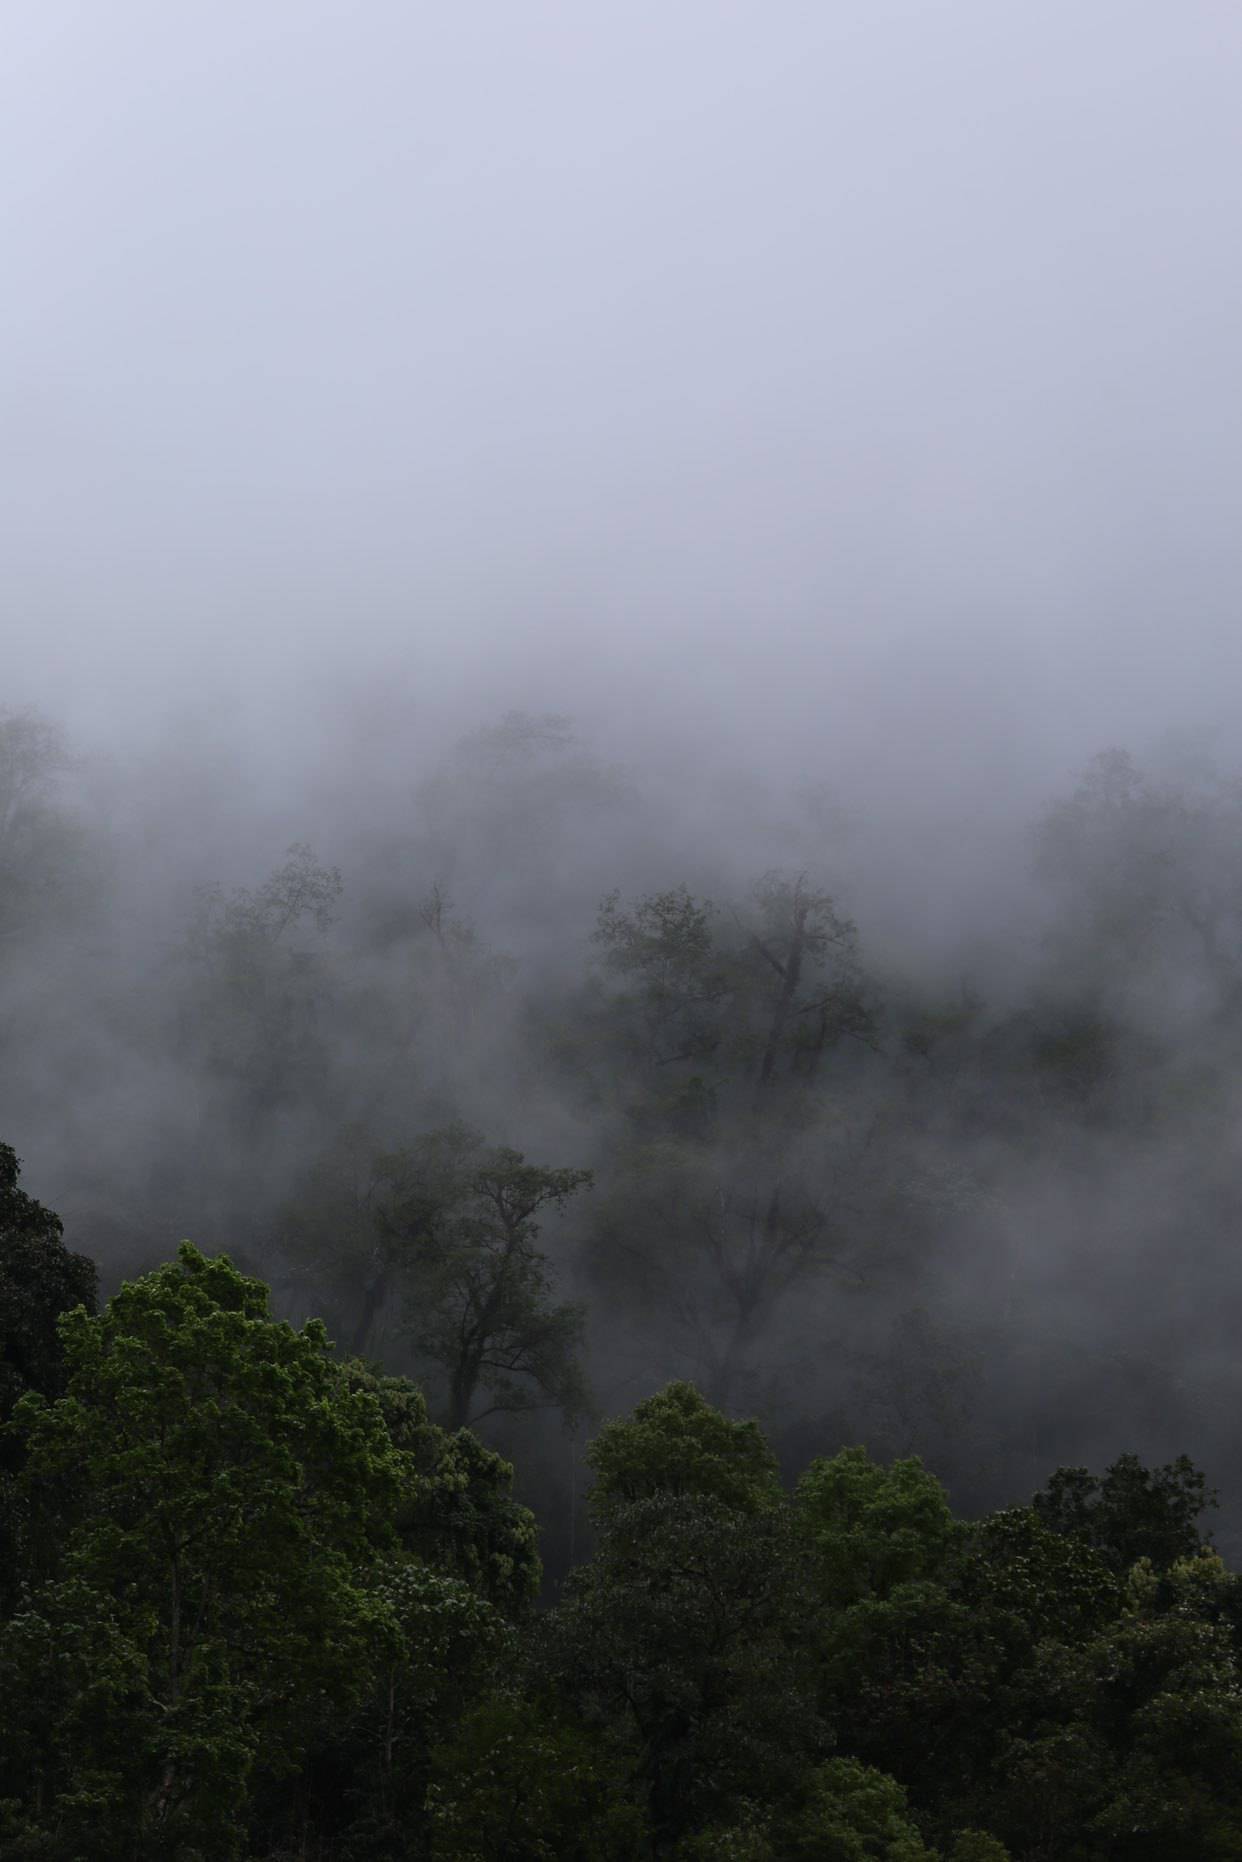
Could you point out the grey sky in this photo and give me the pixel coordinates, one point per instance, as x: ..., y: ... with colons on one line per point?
x: 863, y: 373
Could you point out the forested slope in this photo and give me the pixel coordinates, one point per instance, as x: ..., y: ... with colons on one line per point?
x: 257, y: 1604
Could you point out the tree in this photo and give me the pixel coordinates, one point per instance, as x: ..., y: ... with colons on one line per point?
x: 479, y: 1294
x: 711, y: 1244
x: 921, y: 1388
x: 518, y: 1781
x: 439, y: 1648
x: 427, y: 992
x: 465, y: 1575
x: 39, y: 1280
x: 1127, y: 1746
x: 808, y: 986
x: 437, y: 1242
x: 259, y: 990
x: 734, y: 1192
x: 684, y: 1639
x: 675, y: 1443
x: 872, y: 1527
x: 927, y: 1629
x: 676, y: 986
x: 766, y: 1000
x: 851, y: 1813
x: 210, y: 1499
x: 1129, y: 1512
x: 457, y: 1513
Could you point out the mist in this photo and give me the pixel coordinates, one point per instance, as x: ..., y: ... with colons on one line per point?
x: 528, y: 454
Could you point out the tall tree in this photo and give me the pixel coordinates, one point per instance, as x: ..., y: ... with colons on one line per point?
x: 712, y: 1244
x: 675, y: 983
x: 807, y: 981
x: 761, y: 993
x: 685, y: 1636
x: 479, y: 1292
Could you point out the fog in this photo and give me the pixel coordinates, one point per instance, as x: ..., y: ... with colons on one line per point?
x: 833, y: 412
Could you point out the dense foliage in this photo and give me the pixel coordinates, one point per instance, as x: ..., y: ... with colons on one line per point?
x: 258, y: 1605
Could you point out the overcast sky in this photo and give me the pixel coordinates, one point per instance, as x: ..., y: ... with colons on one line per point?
x: 862, y: 373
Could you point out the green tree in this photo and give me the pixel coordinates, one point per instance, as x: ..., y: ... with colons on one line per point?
x: 439, y: 1647
x: 872, y: 1527
x: 1128, y: 1746
x: 851, y: 1813
x: 841, y: 1812
x: 926, y: 1628
x: 1129, y: 1512
x: 978, y: 1846
x: 517, y: 1781
x: 214, y: 1498
x: 684, y: 1639
x: 675, y: 1443
x: 465, y: 1576
x: 456, y: 1513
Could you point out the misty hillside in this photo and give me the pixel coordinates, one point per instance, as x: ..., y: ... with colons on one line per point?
x: 972, y: 1203
x: 621, y: 813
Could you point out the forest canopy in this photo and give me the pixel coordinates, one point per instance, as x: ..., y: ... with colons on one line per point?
x: 257, y: 1604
